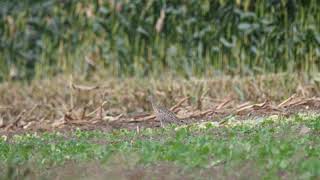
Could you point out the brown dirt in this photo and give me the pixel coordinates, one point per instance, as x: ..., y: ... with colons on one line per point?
x: 126, y: 171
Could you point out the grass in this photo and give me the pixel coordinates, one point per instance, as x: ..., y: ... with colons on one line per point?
x: 272, y: 149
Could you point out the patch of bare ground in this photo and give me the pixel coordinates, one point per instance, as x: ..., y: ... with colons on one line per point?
x: 121, y: 170
x: 130, y: 171
x: 62, y: 104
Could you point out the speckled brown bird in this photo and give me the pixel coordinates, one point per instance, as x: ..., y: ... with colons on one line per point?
x: 162, y: 114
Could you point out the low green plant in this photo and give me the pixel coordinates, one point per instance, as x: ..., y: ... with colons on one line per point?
x: 269, y: 149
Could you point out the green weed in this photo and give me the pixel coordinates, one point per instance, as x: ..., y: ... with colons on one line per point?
x: 271, y: 149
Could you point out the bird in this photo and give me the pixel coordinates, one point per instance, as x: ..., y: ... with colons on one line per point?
x: 163, y: 114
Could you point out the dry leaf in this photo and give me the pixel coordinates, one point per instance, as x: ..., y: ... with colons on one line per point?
x: 1, y: 122
x: 160, y: 21
x: 287, y: 100
x: 84, y: 88
x: 29, y: 124
x: 304, y: 130
x: 111, y: 118
x: 58, y: 123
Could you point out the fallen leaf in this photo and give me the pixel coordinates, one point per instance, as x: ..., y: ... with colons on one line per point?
x: 1, y: 123
x: 304, y: 130
x: 84, y: 88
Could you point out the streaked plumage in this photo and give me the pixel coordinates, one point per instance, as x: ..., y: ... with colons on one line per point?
x: 163, y: 114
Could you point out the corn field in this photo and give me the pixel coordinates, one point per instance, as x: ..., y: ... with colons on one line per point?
x: 42, y: 38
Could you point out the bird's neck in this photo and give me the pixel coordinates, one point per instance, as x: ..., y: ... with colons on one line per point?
x: 154, y: 105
